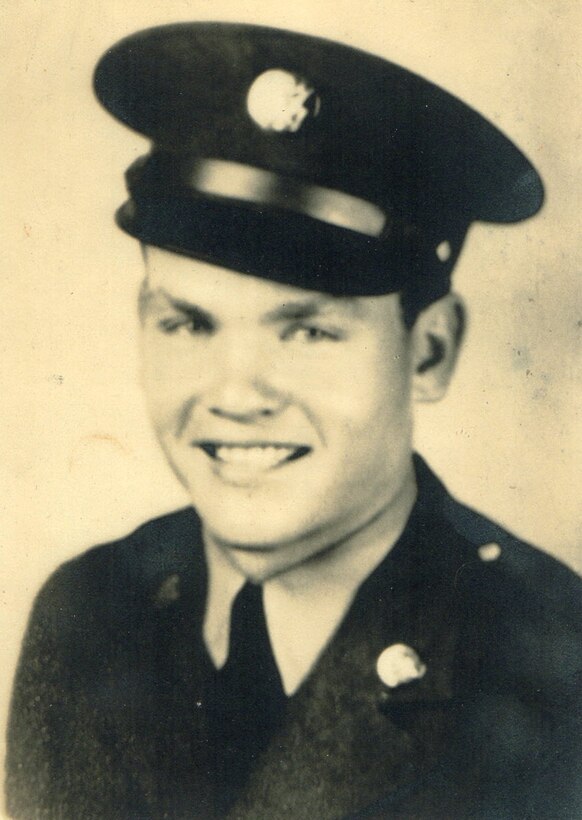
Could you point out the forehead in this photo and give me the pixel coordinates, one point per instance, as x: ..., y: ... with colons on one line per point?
x: 221, y: 289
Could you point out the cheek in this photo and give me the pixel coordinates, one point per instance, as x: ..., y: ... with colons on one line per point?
x: 368, y: 394
x: 171, y: 378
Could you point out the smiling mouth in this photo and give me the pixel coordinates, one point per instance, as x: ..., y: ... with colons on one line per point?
x: 261, y: 456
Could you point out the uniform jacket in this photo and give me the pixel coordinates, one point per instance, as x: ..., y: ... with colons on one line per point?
x: 108, y: 715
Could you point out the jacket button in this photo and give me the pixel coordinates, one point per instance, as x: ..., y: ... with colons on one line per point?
x: 489, y: 552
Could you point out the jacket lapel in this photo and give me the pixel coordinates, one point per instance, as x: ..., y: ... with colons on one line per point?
x: 349, y: 739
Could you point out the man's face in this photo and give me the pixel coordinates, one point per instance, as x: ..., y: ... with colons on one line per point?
x: 285, y: 413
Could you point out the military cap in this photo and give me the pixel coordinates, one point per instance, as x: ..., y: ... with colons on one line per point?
x: 305, y: 161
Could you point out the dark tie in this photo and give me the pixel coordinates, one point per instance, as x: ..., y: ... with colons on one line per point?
x: 248, y: 701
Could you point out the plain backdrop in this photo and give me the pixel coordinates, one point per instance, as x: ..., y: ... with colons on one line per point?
x: 78, y: 463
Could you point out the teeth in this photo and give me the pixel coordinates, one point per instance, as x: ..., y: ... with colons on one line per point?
x: 259, y: 457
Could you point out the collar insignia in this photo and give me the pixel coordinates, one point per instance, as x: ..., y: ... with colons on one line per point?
x: 168, y: 592
x: 399, y: 664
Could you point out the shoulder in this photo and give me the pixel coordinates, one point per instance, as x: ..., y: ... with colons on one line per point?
x: 168, y: 538
x: 526, y: 606
x: 89, y: 663
x: 120, y: 576
x: 500, y: 564
x: 492, y: 563
x: 519, y: 664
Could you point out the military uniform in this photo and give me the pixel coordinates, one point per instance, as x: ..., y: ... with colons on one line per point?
x: 109, y: 714
x: 451, y: 687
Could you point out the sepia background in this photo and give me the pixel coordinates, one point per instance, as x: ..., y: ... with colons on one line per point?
x: 78, y: 463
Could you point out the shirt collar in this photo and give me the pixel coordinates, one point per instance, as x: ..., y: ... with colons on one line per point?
x: 304, y: 605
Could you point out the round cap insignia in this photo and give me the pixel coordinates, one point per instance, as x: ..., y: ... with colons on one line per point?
x: 280, y: 101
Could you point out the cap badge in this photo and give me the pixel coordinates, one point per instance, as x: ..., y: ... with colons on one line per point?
x: 399, y: 664
x: 281, y: 101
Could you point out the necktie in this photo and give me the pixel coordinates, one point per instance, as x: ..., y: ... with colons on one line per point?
x: 248, y: 701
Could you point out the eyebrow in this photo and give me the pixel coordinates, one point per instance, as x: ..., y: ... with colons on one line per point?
x: 295, y: 311
x: 183, y: 305
x: 190, y: 309
x: 287, y: 311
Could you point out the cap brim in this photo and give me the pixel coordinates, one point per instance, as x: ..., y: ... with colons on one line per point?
x: 284, y: 247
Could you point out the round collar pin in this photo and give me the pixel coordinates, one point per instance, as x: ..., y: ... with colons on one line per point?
x: 399, y: 664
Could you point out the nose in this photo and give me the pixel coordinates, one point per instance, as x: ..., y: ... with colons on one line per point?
x: 240, y: 389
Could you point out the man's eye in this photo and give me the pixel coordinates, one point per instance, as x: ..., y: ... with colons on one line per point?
x: 189, y: 324
x: 311, y: 334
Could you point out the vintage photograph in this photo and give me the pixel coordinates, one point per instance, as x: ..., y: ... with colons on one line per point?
x: 291, y: 366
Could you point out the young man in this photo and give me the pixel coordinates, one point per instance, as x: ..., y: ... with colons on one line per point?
x: 325, y: 632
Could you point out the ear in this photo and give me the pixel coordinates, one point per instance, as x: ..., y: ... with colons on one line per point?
x: 436, y: 339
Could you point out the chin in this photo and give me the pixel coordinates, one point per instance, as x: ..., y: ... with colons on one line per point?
x: 249, y: 533
x: 253, y: 517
